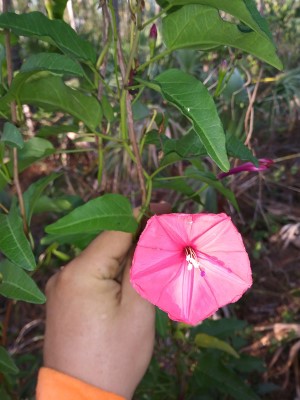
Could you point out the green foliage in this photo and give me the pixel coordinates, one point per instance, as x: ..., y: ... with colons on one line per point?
x: 207, y: 341
x: 13, y: 242
x: 53, y: 62
x: 58, y: 32
x: 92, y: 140
x: 109, y: 212
x: 56, y: 8
x: 7, y: 365
x: 17, y: 285
x: 12, y: 136
x: 245, y: 11
x: 34, y: 192
x: 194, y: 101
x: 184, y: 28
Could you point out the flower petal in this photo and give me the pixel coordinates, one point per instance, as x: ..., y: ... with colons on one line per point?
x: 218, y: 271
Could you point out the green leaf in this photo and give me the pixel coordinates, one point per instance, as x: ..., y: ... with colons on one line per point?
x: 34, y: 192
x: 188, y: 146
x: 198, y: 26
x: 77, y: 239
x: 36, y: 24
x: 57, y: 205
x: 107, y: 108
x: 55, y: 8
x: 34, y: 149
x: 192, y: 98
x: 3, y: 394
x: 17, y: 285
x: 178, y: 184
x: 140, y: 111
x: 52, y: 94
x: 53, y: 62
x: 207, y: 341
x: 223, y: 328
x: 244, y: 10
x: 213, y: 373
x: 211, y: 180
x: 7, y: 365
x: 13, y: 242
x: 161, y: 323
x: 108, y: 212
x: 248, y: 364
x: 237, y: 149
x: 12, y: 136
x: 53, y: 130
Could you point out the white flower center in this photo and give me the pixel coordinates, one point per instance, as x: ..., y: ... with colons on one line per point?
x: 192, y: 260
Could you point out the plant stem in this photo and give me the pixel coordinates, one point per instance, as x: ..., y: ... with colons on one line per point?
x: 135, y: 147
x: 126, y: 107
x: 285, y: 158
x: 4, y: 208
x: 162, y: 12
x: 14, y: 121
x: 154, y: 59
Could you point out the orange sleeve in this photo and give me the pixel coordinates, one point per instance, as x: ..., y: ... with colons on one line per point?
x: 54, y: 385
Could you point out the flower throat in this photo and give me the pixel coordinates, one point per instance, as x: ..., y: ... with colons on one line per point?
x: 192, y: 260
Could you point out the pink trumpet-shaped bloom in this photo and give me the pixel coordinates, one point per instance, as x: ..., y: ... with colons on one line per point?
x: 264, y: 163
x: 189, y: 265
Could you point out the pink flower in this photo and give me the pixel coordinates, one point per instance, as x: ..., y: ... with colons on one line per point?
x: 189, y: 265
x: 264, y: 163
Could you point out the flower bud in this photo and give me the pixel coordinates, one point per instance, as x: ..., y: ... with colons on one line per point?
x: 152, y: 39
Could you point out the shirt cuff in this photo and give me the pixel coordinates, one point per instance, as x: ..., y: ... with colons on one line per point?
x: 54, y: 385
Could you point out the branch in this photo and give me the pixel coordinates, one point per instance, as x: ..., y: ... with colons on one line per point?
x: 14, y: 121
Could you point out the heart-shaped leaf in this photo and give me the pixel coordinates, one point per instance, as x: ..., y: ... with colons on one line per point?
x: 198, y: 26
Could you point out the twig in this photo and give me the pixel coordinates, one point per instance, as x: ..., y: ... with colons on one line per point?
x: 105, y: 45
x: 249, y: 119
x: 130, y: 123
x: 135, y: 147
x: 14, y: 120
x: 4, y: 208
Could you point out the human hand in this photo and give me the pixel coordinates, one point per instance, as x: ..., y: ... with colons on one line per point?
x: 98, y: 329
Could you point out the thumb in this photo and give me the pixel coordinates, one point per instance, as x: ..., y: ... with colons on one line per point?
x: 105, y: 256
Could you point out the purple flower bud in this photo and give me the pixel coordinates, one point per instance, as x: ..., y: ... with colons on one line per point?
x: 153, y: 32
x: 224, y: 66
x: 264, y: 163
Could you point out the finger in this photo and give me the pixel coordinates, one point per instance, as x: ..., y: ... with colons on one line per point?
x: 131, y: 302
x: 104, y: 257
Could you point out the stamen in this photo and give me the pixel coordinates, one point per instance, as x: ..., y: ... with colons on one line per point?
x: 192, y: 260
